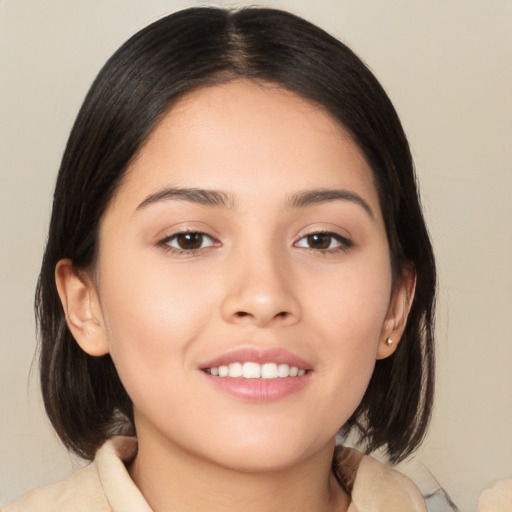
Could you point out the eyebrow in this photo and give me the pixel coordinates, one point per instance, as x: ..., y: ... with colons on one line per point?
x: 201, y: 196
x: 207, y: 197
x: 318, y: 196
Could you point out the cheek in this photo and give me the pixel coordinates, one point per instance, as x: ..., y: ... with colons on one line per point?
x: 151, y: 316
x: 354, y: 301
x: 351, y: 313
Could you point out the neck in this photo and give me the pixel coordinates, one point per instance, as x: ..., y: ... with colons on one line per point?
x: 173, y: 480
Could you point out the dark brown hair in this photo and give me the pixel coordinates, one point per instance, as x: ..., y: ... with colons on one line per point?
x: 195, y: 48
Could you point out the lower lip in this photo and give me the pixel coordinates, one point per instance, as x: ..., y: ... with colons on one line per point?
x: 260, y: 390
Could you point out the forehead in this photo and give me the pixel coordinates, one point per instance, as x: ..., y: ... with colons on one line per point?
x: 244, y: 135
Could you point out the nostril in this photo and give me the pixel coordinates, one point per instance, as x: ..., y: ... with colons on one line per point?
x: 241, y: 314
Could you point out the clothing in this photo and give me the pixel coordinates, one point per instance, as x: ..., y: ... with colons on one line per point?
x: 105, y: 485
x: 497, y: 498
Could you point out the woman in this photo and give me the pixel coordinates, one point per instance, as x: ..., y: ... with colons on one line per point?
x: 237, y: 270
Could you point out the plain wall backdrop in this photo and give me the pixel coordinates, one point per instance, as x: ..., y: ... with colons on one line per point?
x: 447, y: 66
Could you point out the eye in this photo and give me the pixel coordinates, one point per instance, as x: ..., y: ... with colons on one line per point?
x: 188, y: 241
x: 325, y: 242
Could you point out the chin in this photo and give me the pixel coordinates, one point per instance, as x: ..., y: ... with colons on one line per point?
x: 264, y: 454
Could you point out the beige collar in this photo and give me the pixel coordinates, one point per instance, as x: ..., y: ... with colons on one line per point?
x: 373, y: 486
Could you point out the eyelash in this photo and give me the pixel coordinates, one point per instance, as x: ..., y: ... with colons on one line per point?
x: 165, y: 242
x: 344, y: 243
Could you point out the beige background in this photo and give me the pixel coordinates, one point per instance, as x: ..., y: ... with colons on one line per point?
x: 447, y: 65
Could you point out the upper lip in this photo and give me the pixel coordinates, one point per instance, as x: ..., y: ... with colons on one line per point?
x: 257, y: 355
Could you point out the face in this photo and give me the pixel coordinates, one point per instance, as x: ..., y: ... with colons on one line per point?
x: 243, y: 284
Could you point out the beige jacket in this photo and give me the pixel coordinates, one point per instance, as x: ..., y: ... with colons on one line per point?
x: 105, y: 486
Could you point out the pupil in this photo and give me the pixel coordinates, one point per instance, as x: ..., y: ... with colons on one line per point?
x: 190, y: 240
x: 319, y: 241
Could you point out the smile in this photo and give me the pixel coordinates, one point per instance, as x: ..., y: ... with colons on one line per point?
x: 258, y: 374
x: 252, y: 370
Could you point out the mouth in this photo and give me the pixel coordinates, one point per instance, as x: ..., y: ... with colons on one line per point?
x: 253, y: 370
x: 258, y: 375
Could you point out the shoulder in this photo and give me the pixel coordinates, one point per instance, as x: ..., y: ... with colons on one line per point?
x: 102, y: 486
x: 374, y: 486
x: 80, y: 492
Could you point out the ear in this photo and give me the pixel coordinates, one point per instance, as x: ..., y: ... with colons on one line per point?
x: 399, y: 307
x: 81, y: 307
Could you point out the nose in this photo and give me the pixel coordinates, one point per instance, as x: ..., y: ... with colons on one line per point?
x: 260, y: 291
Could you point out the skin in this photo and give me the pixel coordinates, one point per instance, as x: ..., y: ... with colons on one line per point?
x: 254, y: 281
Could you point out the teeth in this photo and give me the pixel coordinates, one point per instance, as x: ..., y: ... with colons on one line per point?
x: 250, y: 370
x: 235, y: 370
x: 283, y: 370
x: 269, y: 371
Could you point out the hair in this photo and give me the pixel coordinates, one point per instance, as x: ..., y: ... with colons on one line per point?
x: 191, y: 49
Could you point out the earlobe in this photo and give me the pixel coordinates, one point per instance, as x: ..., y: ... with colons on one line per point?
x: 398, y: 312
x: 81, y: 308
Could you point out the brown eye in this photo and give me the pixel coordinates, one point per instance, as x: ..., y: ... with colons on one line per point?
x: 187, y: 241
x: 324, y: 242
x: 319, y: 241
